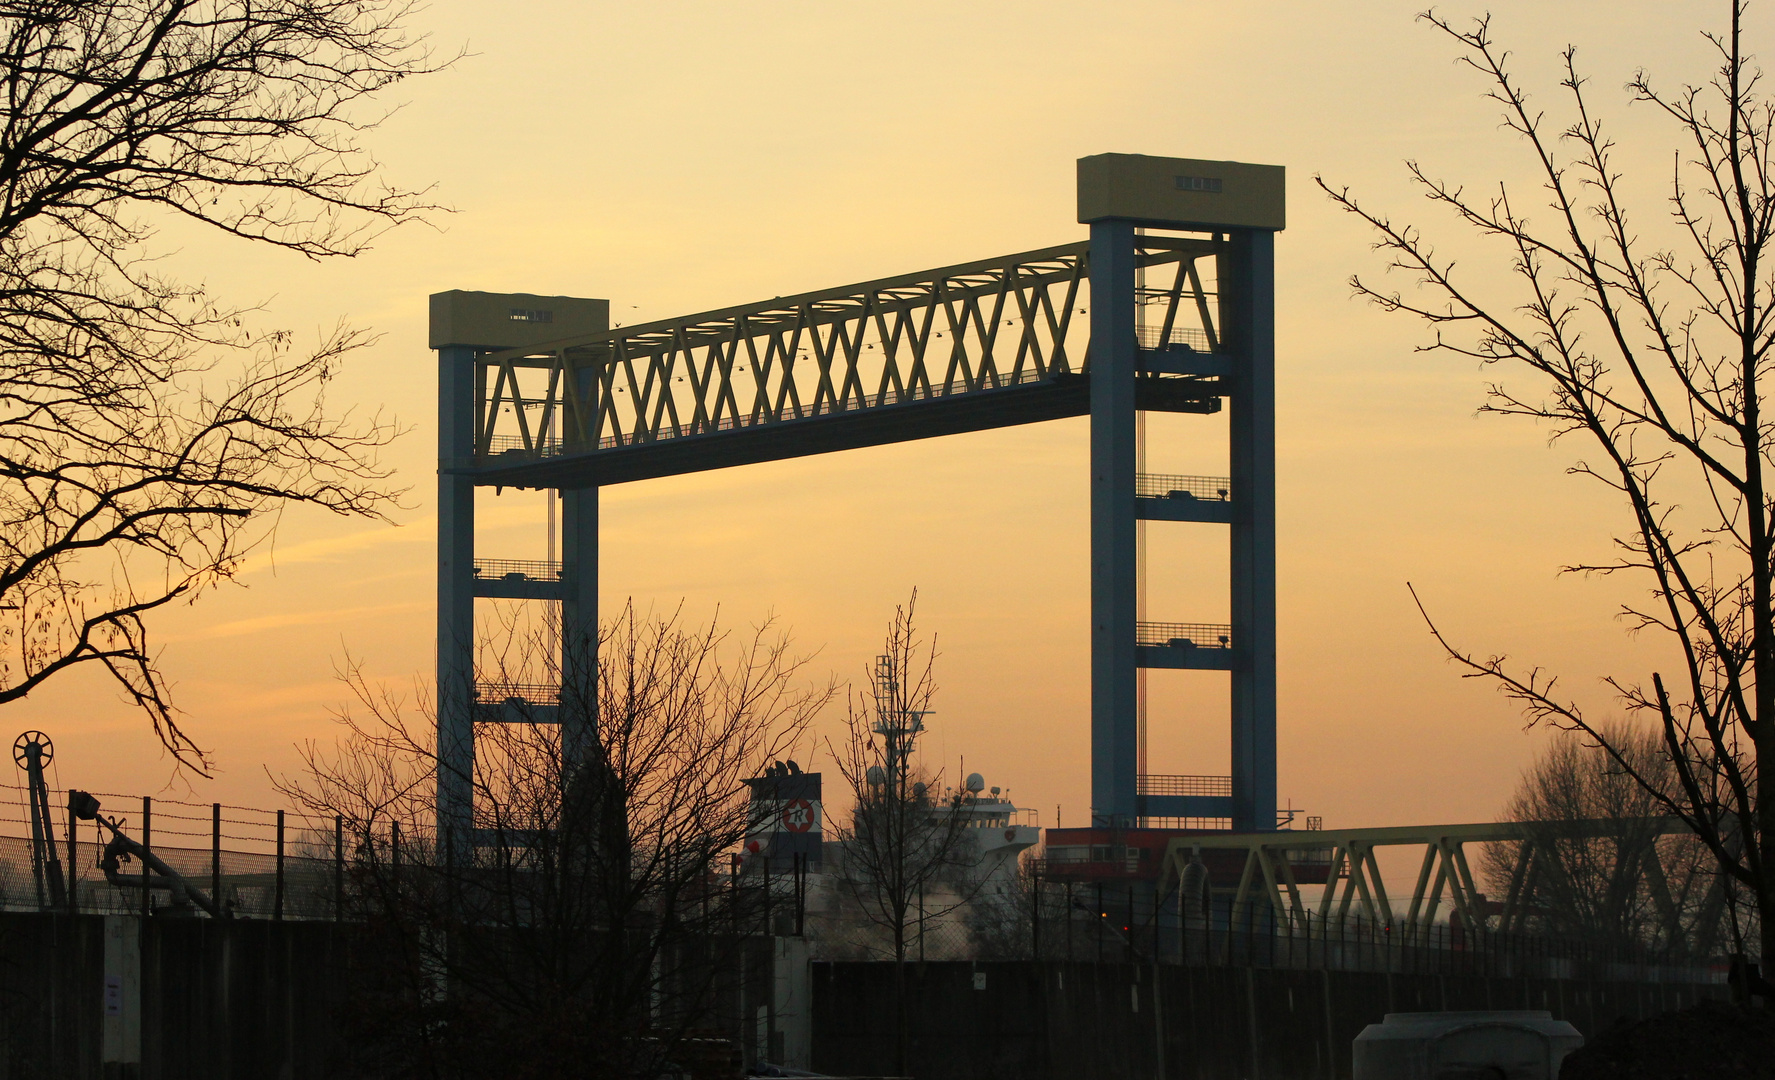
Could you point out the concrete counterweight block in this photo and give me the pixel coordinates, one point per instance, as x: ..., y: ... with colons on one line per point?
x: 1504, y: 1045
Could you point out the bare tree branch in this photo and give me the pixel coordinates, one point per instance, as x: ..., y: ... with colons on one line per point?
x: 148, y: 439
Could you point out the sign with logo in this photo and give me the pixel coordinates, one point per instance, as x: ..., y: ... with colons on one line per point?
x: 799, y: 815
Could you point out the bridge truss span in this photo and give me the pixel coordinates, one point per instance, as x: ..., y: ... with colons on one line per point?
x: 979, y: 345
x: 1167, y: 307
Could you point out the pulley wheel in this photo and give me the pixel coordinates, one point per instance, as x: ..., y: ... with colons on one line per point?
x: 21, y: 748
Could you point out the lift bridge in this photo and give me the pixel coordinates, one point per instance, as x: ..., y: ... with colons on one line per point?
x: 1167, y: 307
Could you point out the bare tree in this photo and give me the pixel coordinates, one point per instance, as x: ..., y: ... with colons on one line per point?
x: 583, y: 923
x: 1599, y: 864
x: 147, y: 438
x: 1652, y: 358
x: 1002, y: 918
x: 905, y: 846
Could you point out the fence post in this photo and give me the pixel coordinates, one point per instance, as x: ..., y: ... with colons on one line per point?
x: 1098, y: 913
x: 338, y: 868
x: 1250, y: 933
x: 1035, y: 916
x: 1069, y: 905
x: 921, y: 922
x: 1128, y: 942
x: 216, y: 854
x: 277, y: 910
x: 147, y: 845
x: 448, y: 835
x: 73, y: 865
x: 764, y: 870
x: 800, y: 868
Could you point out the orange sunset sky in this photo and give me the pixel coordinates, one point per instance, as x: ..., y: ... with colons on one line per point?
x: 677, y: 156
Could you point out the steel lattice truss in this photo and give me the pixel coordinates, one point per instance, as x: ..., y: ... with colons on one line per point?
x: 986, y: 344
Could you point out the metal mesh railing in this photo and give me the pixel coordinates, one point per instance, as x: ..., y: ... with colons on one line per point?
x: 518, y: 569
x: 1192, y: 823
x: 525, y: 693
x: 1153, y: 337
x: 1180, y: 635
x: 1158, y: 784
x: 1168, y: 486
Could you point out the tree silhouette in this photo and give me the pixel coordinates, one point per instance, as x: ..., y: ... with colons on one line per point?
x: 147, y: 439
x: 1654, y: 359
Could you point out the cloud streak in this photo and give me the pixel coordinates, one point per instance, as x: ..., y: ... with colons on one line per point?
x: 262, y: 623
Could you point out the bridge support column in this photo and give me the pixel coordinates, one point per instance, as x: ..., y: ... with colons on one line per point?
x: 1242, y: 205
x: 456, y: 590
x: 1114, y: 586
x: 579, y: 624
x: 1249, y: 313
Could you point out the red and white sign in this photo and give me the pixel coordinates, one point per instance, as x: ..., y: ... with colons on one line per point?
x: 798, y: 815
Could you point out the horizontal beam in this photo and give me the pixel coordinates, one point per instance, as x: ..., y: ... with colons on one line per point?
x: 1184, y: 806
x: 513, y: 712
x: 1169, y: 362
x: 1398, y: 835
x: 1185, y: 657
x: 1218, y: 511
x: 521, y: 589
x: 810, y: 309
x: 1054, y: 398
x: 787, y: 309
x: 1008, y: 333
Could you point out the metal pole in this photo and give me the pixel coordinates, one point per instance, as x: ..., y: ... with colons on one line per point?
x: 579, y: 624
x: 147, y: 845
x: 1128, y: 940
x: 216, y: 854
x: 338, y: 868
x: 456, y: 602
x: 1114, y: 588
x: 1100, y: 915
x: 1249, y: 302
x: 277, y: 911
x: 73, y: 865
x: 734, y: 867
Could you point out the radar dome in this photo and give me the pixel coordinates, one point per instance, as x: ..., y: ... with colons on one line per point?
x: 876, y: 776
x: 976, y: 783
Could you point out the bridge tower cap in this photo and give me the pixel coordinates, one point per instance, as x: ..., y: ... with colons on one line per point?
x: 1181, y: 193
x: 487, y: 320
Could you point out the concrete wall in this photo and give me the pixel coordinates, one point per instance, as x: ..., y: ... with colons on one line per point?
x: 1024, y: 1020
